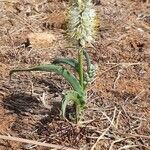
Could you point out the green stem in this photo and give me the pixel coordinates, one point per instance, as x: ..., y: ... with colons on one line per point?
x: 80, y: 59
x: 88, y: 61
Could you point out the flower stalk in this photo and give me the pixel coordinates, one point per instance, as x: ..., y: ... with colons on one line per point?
x: 80, y: 60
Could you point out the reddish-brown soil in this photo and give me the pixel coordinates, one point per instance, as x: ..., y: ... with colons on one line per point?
x: 118, y: 104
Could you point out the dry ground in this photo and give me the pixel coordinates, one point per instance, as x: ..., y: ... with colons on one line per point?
x: 118, y: 109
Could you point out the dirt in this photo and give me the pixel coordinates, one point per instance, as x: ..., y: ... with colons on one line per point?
x: 118, y: 104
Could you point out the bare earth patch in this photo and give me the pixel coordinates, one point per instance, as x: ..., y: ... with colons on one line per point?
x: 118, y: 109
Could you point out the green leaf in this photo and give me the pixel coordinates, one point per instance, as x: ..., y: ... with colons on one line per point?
x: 87, y: 58
x: 60, y: 71
x: 72, y: 62
x: 76, y: 98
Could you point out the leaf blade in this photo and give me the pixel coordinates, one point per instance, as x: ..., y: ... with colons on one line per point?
x: 69, y: 61
x: 57, y: 69
x: 74, y: 97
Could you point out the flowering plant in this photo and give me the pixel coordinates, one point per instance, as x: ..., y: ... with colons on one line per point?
x: 82, y: 22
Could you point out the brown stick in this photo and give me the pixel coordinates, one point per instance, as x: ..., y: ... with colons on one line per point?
x: 35, y: 142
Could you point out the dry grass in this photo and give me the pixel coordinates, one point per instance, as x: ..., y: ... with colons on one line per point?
x: 118, y: 110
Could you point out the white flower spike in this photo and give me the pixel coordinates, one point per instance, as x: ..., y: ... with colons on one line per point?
x: 82, y: 22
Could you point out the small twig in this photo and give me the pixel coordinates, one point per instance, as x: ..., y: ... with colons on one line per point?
x: 86, y: 121
x: 109, y: 69
x: 117, y: 119
x: 116, y: 141
x: 43, y: 100
x: 35, y: 142
x: 108, y: 118
x: 8, y: 1
x: 126, y: 64
x: 137, y: 96
x: 136, y: 135
x: 128, y: 146
x: 100, y: 137
x: 118, y: 77
x: 105, y: 131
x: 95, y: 137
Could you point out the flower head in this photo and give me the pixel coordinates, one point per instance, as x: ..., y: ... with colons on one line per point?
x: 82, y: 22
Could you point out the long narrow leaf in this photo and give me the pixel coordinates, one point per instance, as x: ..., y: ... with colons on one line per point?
x: 69, y: 61
x: 72, y: 96
x: 57, y: 69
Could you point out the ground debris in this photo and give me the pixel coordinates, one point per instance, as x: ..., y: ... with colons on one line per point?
x: 118, y: 110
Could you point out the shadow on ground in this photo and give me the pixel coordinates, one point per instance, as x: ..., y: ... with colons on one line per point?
x: 20, y: 103
x: 23, y: 104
